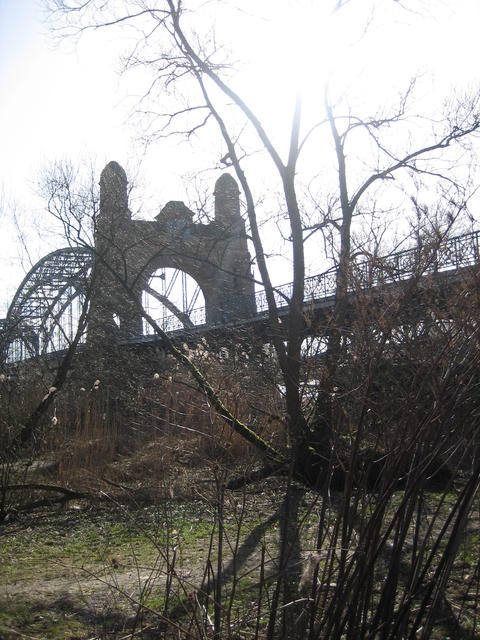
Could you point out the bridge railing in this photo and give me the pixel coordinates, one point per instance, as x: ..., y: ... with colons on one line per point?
x: 449, y: 255
x: 452, y: 254
x: 170, y: 322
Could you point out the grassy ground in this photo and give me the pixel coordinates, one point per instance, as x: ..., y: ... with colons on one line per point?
x: 147, y: 542
x: 82, y: 570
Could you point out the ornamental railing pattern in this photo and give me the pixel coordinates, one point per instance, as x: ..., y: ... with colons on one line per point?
x: 444, y: 255
x: 448, y: 255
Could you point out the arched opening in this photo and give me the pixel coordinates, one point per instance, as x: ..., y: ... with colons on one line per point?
x: 174, y: 300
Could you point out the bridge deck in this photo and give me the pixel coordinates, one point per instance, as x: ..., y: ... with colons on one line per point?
x: 448, y: 257
x: 445, y: 260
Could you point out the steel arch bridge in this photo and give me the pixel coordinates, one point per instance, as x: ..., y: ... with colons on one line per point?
x: 43, y: 315
x: 147, y: 256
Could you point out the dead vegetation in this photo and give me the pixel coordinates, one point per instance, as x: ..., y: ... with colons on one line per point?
x: 122, y: 510
x: 123, y: 528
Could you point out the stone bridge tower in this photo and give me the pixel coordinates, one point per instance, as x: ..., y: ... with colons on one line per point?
x: 128, y: 252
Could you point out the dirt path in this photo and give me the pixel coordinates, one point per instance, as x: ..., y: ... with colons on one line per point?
x: 67, y: 574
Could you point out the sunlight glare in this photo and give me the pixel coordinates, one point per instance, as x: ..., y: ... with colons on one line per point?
x: 295, y: 49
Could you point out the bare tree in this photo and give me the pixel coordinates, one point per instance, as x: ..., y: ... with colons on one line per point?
x: 382, y: 404
x: 184, y: 57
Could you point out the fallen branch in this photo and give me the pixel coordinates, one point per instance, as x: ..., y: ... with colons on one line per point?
x: 256, y: 476
x: 66, y: 496
x: 69, y: 494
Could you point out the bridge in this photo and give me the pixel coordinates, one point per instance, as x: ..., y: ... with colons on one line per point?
x: 130, y: 255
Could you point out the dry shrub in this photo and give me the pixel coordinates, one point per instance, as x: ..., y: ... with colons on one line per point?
x: 155, y: 415
x: 85, y: 436
x: 158, y: 420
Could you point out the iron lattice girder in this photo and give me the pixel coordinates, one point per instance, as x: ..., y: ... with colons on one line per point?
x: 46, y: 293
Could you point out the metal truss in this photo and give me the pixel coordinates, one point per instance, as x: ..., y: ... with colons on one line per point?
x: 43, y: 315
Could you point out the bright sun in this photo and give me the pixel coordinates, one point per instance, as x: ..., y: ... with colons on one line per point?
x: 367, y: 51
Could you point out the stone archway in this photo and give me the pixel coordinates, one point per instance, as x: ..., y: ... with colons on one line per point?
x: 128, y: 251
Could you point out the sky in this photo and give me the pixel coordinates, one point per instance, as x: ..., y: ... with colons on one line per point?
x: 54, y: 104
x: 58, y: 101
x: 67, y: 100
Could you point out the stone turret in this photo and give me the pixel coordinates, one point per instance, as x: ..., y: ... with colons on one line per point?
x: 236, y: 295
x: 114, y: 315
x: 227, y: 200
x: 114, y: 194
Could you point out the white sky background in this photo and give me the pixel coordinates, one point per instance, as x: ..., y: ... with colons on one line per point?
x: 68, y: 100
